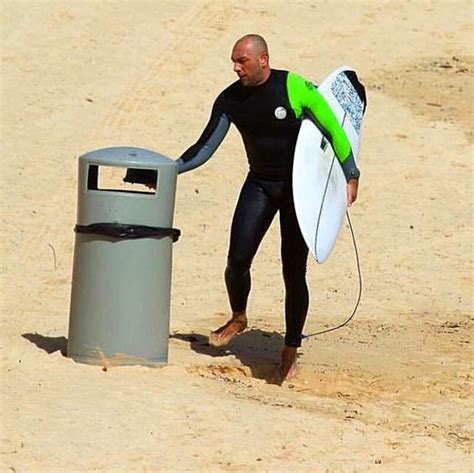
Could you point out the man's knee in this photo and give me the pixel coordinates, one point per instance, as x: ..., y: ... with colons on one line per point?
x: 237, y: 265
x: 294, y: 274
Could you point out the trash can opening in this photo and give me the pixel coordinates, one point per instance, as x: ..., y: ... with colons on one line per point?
x: 110, y: 179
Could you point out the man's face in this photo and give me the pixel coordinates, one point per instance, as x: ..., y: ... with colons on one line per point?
x: 248, y: 63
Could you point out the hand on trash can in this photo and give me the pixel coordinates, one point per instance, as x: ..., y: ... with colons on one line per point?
x: 140, y: 176
x: 146, y: 177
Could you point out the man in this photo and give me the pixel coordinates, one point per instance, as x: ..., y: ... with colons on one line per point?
x: 267, y: 106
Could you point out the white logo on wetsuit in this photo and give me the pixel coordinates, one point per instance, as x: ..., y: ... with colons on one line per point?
x: 280, y: 113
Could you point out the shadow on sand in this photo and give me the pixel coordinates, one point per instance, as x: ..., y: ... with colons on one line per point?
x: 48, y: 344
x: 256, y: 349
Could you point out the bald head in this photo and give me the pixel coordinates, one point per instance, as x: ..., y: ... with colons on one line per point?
x: 251, y: 60
x: 256, y: 41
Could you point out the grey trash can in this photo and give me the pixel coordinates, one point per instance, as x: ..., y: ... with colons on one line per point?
x: 121, y: 282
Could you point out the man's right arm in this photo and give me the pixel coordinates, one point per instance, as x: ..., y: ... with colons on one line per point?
x: 194, y: 156
x: 209, y: 141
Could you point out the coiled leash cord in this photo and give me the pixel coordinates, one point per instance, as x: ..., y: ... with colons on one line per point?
x: 303, y: 337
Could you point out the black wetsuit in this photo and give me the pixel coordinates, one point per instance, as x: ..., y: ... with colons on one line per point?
x: 267, y: 120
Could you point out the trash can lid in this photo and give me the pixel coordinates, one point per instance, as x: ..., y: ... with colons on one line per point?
x: 127, y: 156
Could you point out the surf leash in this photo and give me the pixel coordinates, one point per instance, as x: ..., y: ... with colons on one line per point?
x: 304, y: 337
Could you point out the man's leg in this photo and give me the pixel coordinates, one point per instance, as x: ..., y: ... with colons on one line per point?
x: 294, y: 254
x: 252, y: 217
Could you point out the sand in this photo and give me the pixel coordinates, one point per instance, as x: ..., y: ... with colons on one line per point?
x: 391, y: 392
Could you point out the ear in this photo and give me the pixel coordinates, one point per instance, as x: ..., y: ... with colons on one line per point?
x: 263, y: 59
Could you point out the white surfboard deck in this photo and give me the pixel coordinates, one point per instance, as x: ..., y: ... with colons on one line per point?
x: 319, y: 185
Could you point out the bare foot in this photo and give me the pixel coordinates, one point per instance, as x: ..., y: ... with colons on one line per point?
x: 288, y: 368
x: 223, y: 335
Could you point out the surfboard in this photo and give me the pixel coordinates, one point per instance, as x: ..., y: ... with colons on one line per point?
x: 319, y: 185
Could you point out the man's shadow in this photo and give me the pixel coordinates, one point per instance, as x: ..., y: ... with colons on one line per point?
x: 257, y: 349
x: 48, y: 344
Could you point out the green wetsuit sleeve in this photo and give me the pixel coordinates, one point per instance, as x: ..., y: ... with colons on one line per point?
x: 304, y: 96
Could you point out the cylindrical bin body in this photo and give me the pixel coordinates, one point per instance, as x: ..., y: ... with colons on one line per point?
x: 120, y: 296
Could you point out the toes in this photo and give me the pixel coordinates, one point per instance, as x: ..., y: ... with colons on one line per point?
x: 217, y: 340
x: 223, y: 335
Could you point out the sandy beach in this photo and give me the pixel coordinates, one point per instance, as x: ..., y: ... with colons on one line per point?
x: 391, y: 392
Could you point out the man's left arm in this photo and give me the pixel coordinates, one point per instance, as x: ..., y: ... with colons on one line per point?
x: 304, y: 97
